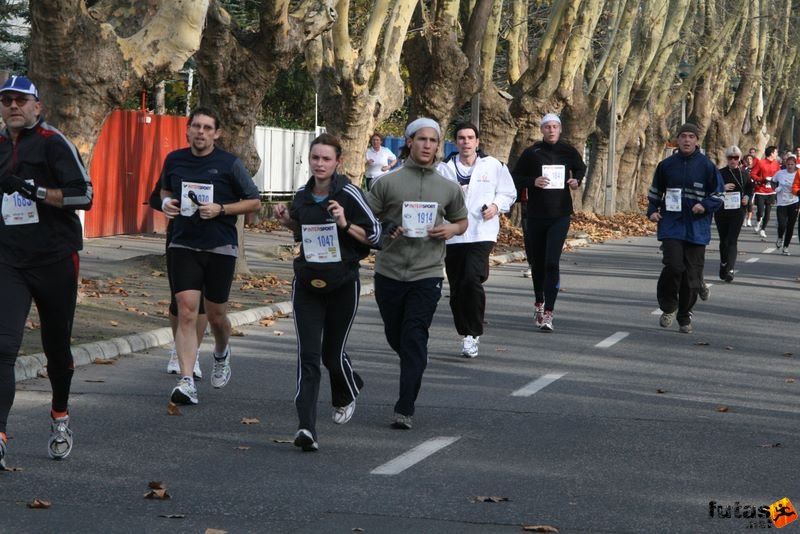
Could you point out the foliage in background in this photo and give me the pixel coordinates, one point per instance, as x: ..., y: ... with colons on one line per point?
x: 14, y: 35
x: 290, y: 102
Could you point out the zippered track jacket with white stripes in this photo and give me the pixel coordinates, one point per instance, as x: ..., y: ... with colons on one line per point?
x: 699, y: 181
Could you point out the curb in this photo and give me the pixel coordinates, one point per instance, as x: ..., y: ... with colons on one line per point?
x: 34, y: 365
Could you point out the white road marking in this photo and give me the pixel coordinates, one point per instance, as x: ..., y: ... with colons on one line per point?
x: 612, y: 340
x: 538, y: 384
x: 414, y: 456
x: 657, y: 311
x: 769, y: 251
x: 751, y: 260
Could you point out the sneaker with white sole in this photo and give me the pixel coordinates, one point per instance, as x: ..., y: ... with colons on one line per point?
x: 184, y: 392
x: 785, y: 251
x: 401, y: 422
x: 342, y: 414
x: 60, y: 443
x: 666, y: 319
x: 547, y: 321
x: 221, y: 372
x: 538, y: 314
x: 173, y: 366
x: 469, y: 349
x: 686, y: 328
x: 763, y: 235
x: 198, y: 374
x: 527, y: 273
x: 3, y: 452
x: 305, y: 441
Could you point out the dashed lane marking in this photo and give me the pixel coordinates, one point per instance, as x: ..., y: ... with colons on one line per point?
x: 537, y: 385
x: 751, y: 260
x: 414, y: 456
x: 612, y: 340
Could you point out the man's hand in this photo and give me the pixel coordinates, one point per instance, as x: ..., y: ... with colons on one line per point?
x: 541, y: 182
x: 573, y: 183
x: 730, y: 186
x: 698, y: 209
x: 11, y: 183
x: 444, y: 231
x: 490, y: 211
x: 170, y: 207
x: 655, y: 216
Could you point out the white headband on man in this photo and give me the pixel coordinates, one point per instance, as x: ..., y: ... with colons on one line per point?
x: 550, y: 117
x: 422, y: 122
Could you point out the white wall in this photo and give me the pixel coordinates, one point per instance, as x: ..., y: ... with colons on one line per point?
x: 284, y: 159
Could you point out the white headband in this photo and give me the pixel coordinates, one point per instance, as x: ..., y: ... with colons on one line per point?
x: 422, y: 122
x: 550, y: 117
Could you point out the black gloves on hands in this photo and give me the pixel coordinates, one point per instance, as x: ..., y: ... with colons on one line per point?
x: 10, y: 183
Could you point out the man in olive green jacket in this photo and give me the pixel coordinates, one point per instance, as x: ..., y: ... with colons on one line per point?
x: 428, y: 209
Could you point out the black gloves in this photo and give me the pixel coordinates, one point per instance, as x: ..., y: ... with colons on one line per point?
x: 10, y: 183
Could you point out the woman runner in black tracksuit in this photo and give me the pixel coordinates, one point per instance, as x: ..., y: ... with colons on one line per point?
x: 729, y: 219
x: 331, y: 219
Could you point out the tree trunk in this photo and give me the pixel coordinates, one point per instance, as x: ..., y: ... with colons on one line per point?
x: 238, y: 68
x: 360, y: 88
x: 78, y: 95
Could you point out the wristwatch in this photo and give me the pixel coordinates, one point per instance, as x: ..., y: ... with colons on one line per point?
x: 222, y: 209
x: 41, y: 193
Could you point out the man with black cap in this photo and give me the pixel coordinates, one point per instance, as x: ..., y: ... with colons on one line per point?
x: 687, y: 188
x: 420, y: 210
x: 44, y: 182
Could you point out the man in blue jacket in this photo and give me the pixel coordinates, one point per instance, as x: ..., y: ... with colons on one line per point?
x: 686, y: 190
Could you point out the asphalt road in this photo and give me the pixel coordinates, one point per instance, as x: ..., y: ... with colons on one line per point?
x: 638, y: 434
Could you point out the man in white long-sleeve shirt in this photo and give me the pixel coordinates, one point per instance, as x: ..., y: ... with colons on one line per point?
x: 488, y: 191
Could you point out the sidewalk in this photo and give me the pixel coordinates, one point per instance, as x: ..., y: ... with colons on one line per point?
x: 266, y: 251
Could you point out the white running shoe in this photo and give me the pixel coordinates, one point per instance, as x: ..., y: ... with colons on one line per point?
x: 198, y: 374
x: 762, y: 234
x: 184, y: 392
x: 470, y: 347
x: 60, y: 443
x: 538, y: 314
x: 342, y: 414
x: 221, y: 372
x: 547, y: 322
x: 173, y: 367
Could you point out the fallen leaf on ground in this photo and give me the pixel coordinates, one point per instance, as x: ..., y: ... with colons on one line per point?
x: 267, y: 322
x: 41, y: 373
x: 237, y: 333
x: 771, y: 445
x: 790, y: 380
x: 235, y: 305
x: 282, y: 441
x: 501, y: 349
x: 728, y: 348
x: 157, y: 491
x: 539, y: 528
x: 242, y: 448
x: 157, y: 273
x: 131, y: 309
x: 172, y: 409
x: 163, y: 302
x: 40, y: 504
x: 482, y: 498
x: 249, y: 421
x: 358, y: 529
x: 702, y: 343
x: 114, y: 323
x: 661, y: 391
x: 215, y: 531
x: 722, y: 408
x: 278, y: 332
x: 173, y: 516
x: 103, y: 361
x: 93, y: 381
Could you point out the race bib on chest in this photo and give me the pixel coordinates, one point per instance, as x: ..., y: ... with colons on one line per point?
x: 733, y: 200
x: 418, y: 218
x: 192, y: 193
x: 673, y: 199
x: 555, y: 175
x: 19, y: 210
x: 321, y: 243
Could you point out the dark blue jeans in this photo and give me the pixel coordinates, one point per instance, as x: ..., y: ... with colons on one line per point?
x: 407, y: 310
